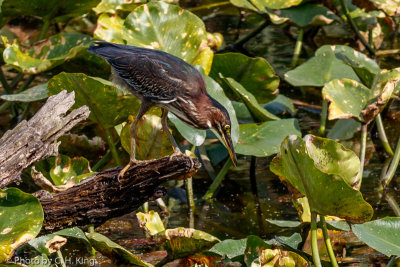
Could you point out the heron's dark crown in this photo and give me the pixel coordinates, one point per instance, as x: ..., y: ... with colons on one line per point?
x: 218, y: 114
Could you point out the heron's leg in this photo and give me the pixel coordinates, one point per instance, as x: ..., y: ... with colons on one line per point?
x: 166, y: 129
x: 144, y: 107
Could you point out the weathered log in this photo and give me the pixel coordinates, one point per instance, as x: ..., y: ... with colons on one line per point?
x: 34, y: 140
x: 104, y: 195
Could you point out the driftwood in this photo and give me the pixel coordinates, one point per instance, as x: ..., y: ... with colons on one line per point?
x: 34, y: 140
x: 103, y: 195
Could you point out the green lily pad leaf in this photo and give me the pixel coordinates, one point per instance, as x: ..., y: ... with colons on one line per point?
x: 292, y: 241
x: 182, y: 242
x: 350, y: 99
x: 254, y: 74
x: 41, y: 8
x: 112, y: 6
x: 151, y: 141
x: 186, y: 36
x: 74, y: 232
x: 107, y: 106
x: 280, y: 258
x: 258, y: 112
x: 322, y: 68
x: 263, y: 5
x: 242, y: 112
x: 337, y: 225
x: 230, y: 249
x: 323, y: 170
x: 64, y: 169
x: 21, y: 220
x: 344, y: 129
x: 304, y: 15
x: 263, y: 139
x: 40, y: 261
x: 390, y: 7
x: 47, y: 54
x: 32, y: 94
x: 253, y: 247
x: 150, y: 222
x: 114, y: 251
x: 283, y: 223
x: 48, y: 244
x: 110, y: 28
x: 281, y: 105
x: 382, y: 235
x: 194, y: 136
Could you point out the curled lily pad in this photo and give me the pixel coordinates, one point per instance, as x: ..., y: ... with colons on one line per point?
x: 307, y: 14
x: 74, y: 232
x: 107, y: 106
x: 114, y: 251
x: 390, y: 7
x: 263, y: 5
x: 194, y: 136
x: 382, y: 235
x: 65, y: 168
x: 254, y: 74
x: 21, y: 220
x: 61, y: 10
x: 151, y: 141
x: 350, y: 99
x: 259, y: 113
x: 48, y: 244
x: 112, y: 6
x: 263, y: 139
x: 323, y: 170
x: 47, y: 54
x: 182, y: 242
x: 146, y: 26
x: 34, y: 93
x: 325, y: 66
x: 150, y: 222
x: 279, y: 257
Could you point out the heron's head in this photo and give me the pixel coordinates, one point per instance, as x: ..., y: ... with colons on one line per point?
x: 221, y: 123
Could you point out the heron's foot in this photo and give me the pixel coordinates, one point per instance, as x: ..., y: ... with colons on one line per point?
x: 177, y: 152
x: 126, y: 168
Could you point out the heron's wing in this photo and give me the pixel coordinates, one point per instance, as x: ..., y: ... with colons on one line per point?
x: 156, y: 75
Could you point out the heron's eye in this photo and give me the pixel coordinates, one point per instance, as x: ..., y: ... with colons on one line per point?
x: 227, y: 129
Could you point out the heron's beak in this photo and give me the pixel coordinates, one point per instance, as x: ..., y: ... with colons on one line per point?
x: 229, y: 145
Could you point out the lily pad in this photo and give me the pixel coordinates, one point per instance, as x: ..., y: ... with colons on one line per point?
x: 308, y: 14
x: 21, y: 220
x: 194, y: 136
x: 107, y: 106
x: 230, y: 249
x: 323, y: 170
x: 182, y: 242
x: 350, y: 99
x: 279, y: 257
x: 390, y: 7
x: 110, y: 28
x: 151, y: 141
x: 382, y: 235
x: 146, y: 26
x: 254, y: 74
x: 48, y: 244
x: 263, y: 5
x: 61, y: 10
x: 47, y: 54
x: 114, y: 251
x: 32, y: 94
x: 324, y: 67
x: 112, y: 6
x: 259, y: 113
x: 150, y: 222
x: 263, y: 139
x: 65, y: 168
x: 74, y: 232
x: 344, y: 129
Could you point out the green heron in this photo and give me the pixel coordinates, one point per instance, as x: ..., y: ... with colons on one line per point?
x: 160, y: 79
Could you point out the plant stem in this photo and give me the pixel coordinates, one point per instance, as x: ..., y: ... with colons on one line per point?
x: 4, y: 82
x: 247, y: 38
x: 382, y: 135
x: 393, y: 204
x: 363, y: 141
x: 209, y: 6
x: 102, y: 161
x: 314, y: 240
x: 355, y: 28
x: 211, y: 190
x: 28, y: 81
x: 189, y: 193
x: 60, y: 256
x: 328, y: 242
x: 393, y: 166
x: 16, y: 80
x: 112, y: 147
x: 297, y: 48
x: 393, y: 261
x: 324, y: 114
